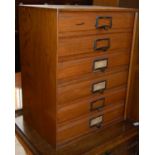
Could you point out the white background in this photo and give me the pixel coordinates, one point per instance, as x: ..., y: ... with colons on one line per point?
x: 147, y: 77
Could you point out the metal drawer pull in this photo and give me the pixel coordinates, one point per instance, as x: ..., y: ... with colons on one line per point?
x: 103, y: 41
x: 99, y: 87
x: 96, y: 122
x: 100, y: 65
x: 107, y: 22
x: 97, y: 104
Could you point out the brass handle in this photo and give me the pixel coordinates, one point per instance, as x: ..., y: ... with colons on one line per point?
x: 104, y: 26
x: 100, y: 64
x: 97, y: 104
x: 99, y: 87
x: 102, y: 48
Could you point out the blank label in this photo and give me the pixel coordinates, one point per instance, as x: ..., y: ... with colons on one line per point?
x: 99, y: 86
x: 96, y: 121
x: 100, y: 64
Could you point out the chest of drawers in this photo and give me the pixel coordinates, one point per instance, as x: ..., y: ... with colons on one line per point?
x: 75, y: 65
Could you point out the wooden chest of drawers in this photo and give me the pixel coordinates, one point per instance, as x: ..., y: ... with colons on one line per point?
x: 75, y: 64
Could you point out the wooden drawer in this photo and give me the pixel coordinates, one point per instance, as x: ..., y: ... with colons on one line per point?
x: 72, y: 91
x: 130, y: 147
x: 97, y: 21
x: 103, y: 63
x: 89, y: 123
x: 90, y: 105
x: 94, y: 43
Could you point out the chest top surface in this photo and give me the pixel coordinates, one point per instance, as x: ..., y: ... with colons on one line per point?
x: 79, y: 7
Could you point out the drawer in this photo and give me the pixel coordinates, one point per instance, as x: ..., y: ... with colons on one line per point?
x: 97, y: 21
x: 72, y: 91
x: 93, y: 65
x: 129, y: 147
x: 90, y: 105
x: 89, y: 44
x: 90, y: 123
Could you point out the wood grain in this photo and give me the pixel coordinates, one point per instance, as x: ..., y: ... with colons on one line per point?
x: 78, y: 8
x: 80, y: 67
x: 71, y: 21
x: 72, y: 92
x: 68, y: 131
x: 132, y: 100
x: 38, y: 44
x: 83, y: 106
x: 85, y: 44
x: 116, y: 138
x: 56, y: 60
x: 98, y: 142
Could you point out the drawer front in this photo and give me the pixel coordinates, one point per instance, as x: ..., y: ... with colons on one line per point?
x: 130, y: 147
x: 94, y: 44
x: 97, y: 21
x: 90, y: 123
x: 93, y: 65
x: 91, y: 105
x: 72, y: 91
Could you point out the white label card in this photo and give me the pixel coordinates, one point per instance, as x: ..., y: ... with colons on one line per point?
x: 99, y: 86
x: 100, y: 64
x: 96, y: 121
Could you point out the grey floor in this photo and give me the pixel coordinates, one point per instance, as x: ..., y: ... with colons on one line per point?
x: 19, y: 150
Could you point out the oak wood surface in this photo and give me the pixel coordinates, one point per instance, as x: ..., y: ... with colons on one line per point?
x: 75, y: 128
x: 101, y: 141
x: 38, y: 37
x: 42, y: 51
x: 116, y: 138
x: 79, y: 67
x: 85, y: 44
x: 98, y: 143
x: 82, y: 107
x: 132, y: 105
x: 71, y: 92
x: 73, y: 21
x: 79, y: 8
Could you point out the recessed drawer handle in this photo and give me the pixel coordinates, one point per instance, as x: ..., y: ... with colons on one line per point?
x: 107, y: 22
x: 99, y: 87
x: 100, y: 65
x: 96, y: 122
x: 97, y: 104
x: 103, y: 41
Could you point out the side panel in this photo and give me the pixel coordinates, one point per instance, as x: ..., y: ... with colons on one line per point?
x: 38, y: 46
x: 132, y: 99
